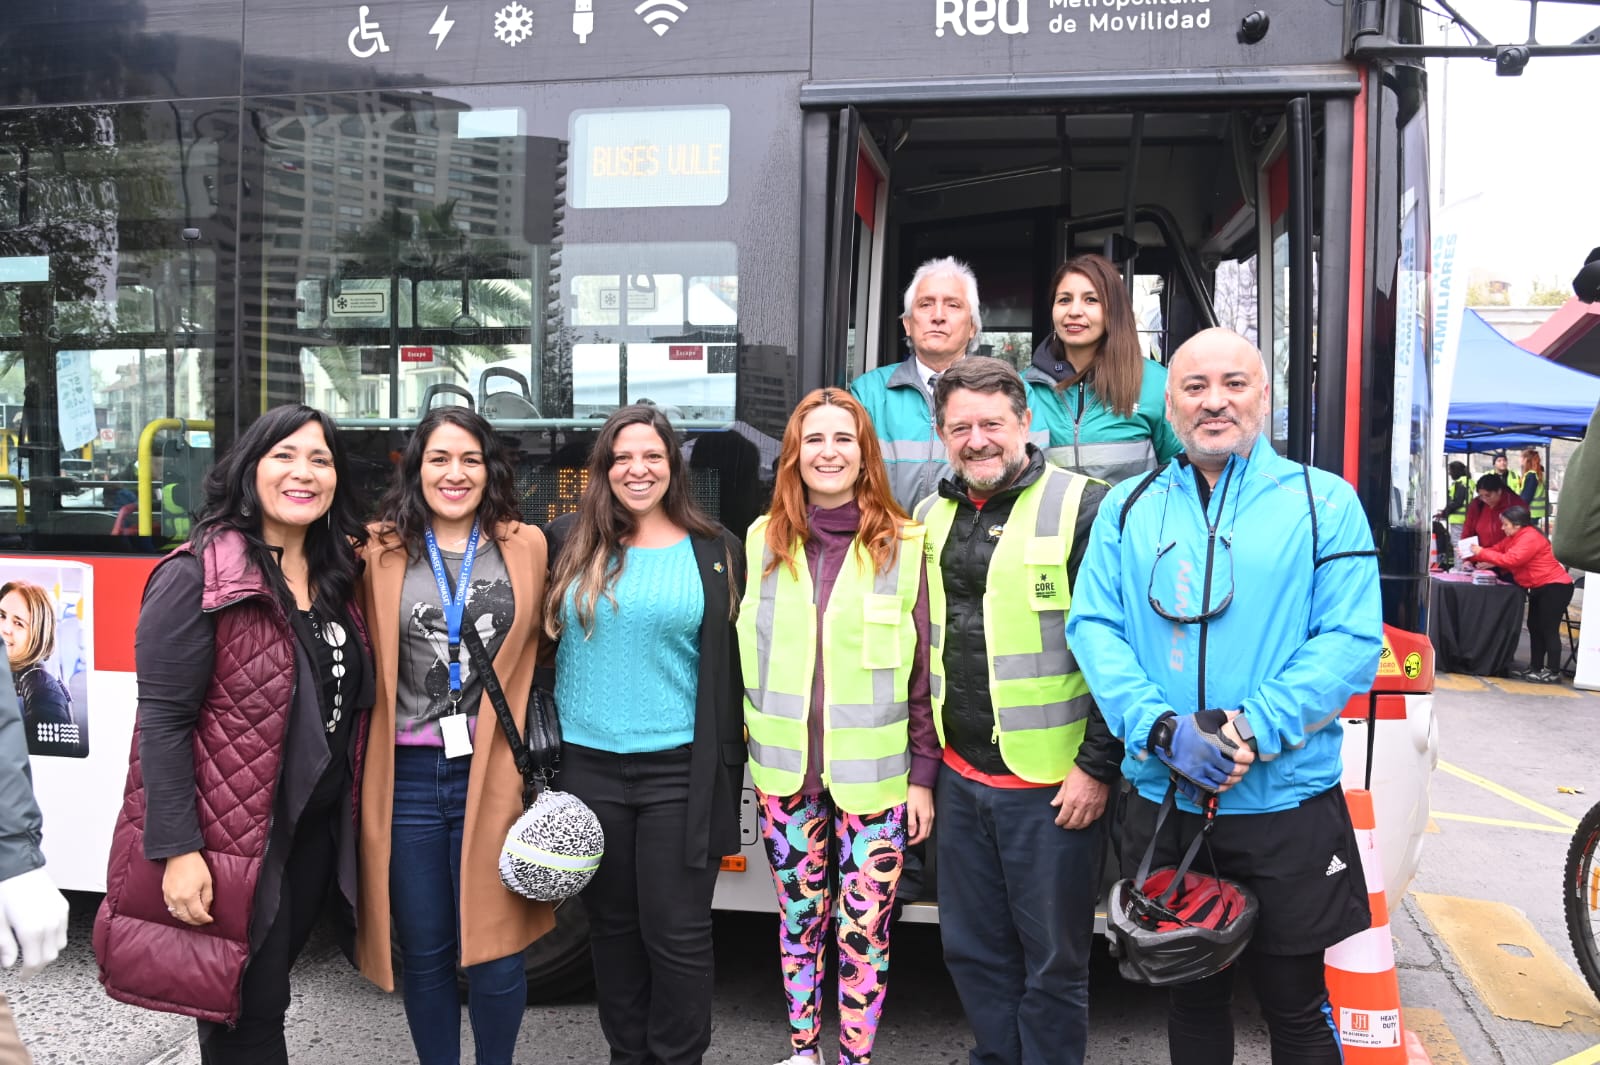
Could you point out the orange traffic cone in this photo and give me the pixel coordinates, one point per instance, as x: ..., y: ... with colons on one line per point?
x: 1363, y: 988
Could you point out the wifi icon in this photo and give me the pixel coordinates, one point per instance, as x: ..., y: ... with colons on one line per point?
x: 659, y: 15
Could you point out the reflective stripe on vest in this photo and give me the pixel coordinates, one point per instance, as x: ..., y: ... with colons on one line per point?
x: 869, y: 641
x: 1113, y: 462
x: 1041, y: 699
x: 1541, y: 502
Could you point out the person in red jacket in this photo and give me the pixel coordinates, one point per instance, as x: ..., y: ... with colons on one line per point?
x: 1526, y: 553
x: 1483, y: 513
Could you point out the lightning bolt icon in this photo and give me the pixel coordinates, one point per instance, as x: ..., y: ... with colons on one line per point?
x: 442, y: 26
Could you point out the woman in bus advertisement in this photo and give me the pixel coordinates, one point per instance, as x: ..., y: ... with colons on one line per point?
x: 835, y: 620
x: 38, y: 648
x: 644, y: 589
x: 1091, y: 386
x: 254, y: 687
x: 448, y: 561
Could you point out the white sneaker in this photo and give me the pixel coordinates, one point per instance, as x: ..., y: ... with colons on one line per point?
x: 799, y: 1059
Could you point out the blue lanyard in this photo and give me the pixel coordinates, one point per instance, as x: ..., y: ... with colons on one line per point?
x: 453, y: 607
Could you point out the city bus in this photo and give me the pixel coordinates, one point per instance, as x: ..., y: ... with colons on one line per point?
x: 548, y: 209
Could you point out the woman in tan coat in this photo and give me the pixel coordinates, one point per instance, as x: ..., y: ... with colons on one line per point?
x: 448, y: 557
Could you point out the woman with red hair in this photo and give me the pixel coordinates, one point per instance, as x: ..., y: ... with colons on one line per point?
x: 833, y: 640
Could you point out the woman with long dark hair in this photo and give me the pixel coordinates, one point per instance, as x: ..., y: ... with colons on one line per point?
x: 837, y: 625
x: 449, y: 559
x: 644, y: 589
x: 1091, y: 387
x: 28, y: 630
x: 254, y: 686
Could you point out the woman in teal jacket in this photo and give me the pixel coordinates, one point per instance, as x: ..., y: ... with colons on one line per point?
x: 1091, y: 386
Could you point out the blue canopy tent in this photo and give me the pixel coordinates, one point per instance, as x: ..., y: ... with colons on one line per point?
x: 1504, y: 397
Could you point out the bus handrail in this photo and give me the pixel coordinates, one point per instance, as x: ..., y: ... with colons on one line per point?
x: 146, y: 459
x: 16, y: 486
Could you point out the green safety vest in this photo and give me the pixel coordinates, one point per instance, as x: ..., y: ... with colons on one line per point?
x: 1458, y: 518
x: 1041, y: 699
x: 1513, y: 480
x: 868, y: 643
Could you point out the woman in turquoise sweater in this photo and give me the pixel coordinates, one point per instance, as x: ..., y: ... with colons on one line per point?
x: 643, y: 593
x: 1091, y: 386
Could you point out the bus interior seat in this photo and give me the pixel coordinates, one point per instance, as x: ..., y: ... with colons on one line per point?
x: 504, y: 404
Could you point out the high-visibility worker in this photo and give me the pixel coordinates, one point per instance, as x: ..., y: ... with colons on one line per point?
x: 1028, y: 761
x: 1534, y: 488
x: 833, y: 642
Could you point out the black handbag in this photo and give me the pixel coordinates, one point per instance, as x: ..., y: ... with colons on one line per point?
x: 552, y: 851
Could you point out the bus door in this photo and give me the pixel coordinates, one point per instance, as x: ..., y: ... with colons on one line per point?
x: 855, y: 303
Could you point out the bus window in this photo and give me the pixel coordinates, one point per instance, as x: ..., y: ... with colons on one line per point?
x: 109, y: 220
x: 545, y: 261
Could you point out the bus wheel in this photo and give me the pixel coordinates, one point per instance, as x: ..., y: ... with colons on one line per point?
x: 557, y: 963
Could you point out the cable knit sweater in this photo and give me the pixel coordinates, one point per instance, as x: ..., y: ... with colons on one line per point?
x: 629, y: 686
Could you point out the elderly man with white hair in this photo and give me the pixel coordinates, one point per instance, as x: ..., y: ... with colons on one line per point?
x: 941, y: 320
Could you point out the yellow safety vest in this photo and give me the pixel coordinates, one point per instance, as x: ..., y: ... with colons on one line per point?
x: 1540, y: 506
x: 868, y: 643
x: 1041, y: 699
x: 1514, y: 481
x: 1458, y: 518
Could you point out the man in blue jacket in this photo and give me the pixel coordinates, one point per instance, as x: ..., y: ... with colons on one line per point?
x: 1235, y: 593
x: 941, y: 320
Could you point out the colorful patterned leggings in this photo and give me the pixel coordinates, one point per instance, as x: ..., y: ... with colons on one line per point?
x: 819, y: 852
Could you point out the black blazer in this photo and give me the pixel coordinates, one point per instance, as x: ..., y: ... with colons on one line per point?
x: 718, y: 753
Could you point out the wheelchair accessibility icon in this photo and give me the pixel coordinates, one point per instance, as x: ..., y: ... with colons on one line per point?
x: 369, y: 32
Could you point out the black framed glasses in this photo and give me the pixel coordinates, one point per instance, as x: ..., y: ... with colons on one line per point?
x: 1187, y: 579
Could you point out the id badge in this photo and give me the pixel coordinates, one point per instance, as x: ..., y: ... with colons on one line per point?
x: 457, y: 741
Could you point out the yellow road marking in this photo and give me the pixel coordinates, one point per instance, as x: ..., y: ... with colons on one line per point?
x: 1523, y: 687
x: 1532, y: 826
x: 1506, y: 793
x: 1430, y: 1027
x: 1458, y: 682
x: 1583, y: 1057
x: 1531, y: 984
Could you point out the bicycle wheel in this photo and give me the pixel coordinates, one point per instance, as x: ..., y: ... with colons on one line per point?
x: 1581, y: 896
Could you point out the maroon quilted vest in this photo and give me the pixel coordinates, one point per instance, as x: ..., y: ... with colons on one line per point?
x: 148, y: 957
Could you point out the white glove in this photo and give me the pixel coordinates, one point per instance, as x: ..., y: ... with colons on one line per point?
x: 36, y: 913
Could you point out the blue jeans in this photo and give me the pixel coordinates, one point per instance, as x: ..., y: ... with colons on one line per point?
x: 1016, y: 913
x: 430, y: 808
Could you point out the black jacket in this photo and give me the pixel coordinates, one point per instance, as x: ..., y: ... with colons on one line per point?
x: 718, y: 752
x: 964, y: 566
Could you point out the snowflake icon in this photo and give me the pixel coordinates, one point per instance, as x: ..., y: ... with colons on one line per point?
x: 513, y: 24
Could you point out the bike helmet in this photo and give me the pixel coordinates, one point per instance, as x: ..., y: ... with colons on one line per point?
x: 1162, y: 936
x: 553, y: 849
x: 1173, y: 926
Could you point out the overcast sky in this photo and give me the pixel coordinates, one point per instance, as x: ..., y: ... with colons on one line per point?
x: 1518, y: 158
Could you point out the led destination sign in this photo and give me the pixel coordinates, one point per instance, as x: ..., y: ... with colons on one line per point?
x: 650, y: 157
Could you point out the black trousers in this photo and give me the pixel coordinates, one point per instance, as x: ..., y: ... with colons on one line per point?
x: 649, y: 912
x: 308, y: 880
x: 1546, y: 605
x: 1294, y: 1001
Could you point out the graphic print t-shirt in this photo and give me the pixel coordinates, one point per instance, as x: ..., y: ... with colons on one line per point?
x: 424, y: 685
